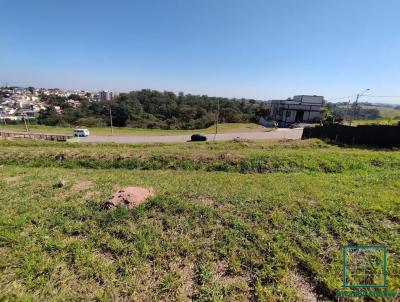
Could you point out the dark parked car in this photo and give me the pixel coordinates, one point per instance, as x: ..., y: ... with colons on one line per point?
x: 198, y: 138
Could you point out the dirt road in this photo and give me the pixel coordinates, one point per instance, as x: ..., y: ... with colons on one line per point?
x: 281, y: 133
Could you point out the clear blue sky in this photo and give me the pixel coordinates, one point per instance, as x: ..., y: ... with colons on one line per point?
x: 249, y: 48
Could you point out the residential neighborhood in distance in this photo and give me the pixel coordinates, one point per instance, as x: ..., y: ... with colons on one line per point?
x: 17, y: 103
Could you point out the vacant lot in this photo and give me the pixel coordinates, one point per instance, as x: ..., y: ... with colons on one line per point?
x: 231, y: 221
x: 222, y: 128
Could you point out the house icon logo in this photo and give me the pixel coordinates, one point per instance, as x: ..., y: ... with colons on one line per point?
x: 364, y: 266
x: 364, y: 271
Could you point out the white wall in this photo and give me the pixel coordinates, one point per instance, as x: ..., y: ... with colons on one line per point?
x: 309, y: 99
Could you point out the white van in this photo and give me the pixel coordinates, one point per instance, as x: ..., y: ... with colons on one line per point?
x: 81, y: 132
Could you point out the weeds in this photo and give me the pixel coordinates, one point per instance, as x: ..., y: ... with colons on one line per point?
x: 287, y: 211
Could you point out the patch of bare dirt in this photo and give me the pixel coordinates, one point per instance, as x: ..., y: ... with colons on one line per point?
x: 187, y: 275
x: 204, y: 200
x: 88, y: 195
x: 312, y: 201
x: 140, y: 155
x: 9, y: 138
x: 72, y: 239
x: 221, y: 275
x: 303, y: 287
x: 82, y: 185
x: 242, y: 281
x: 11, y: 179
x: 388, y: 224
x: 228, y: 155
x: 103, y: 257
x: 224, y: 206
x: 128, y: 197
x: 285, y: 141
x: 241, y: 140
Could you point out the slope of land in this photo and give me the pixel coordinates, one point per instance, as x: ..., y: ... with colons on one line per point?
x: 222, y: 128
x: 230, y: 221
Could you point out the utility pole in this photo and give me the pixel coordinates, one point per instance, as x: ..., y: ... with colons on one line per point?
x: 345, y: 113
x: 111, y: 123
x: 26, y: 126
x: 216, y: 120
x: 354, y: 109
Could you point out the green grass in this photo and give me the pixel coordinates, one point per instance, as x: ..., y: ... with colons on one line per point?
x: 375, y: 122
x: 210, y: 233
x: 222, y: 128
x: 388, y: 113
x: 389, y: 116
x: 242, y: 157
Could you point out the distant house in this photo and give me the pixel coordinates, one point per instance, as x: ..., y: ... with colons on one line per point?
x: 73, y: 103
x: 58, y: 109
x: 299, y: 109
x: 30, y: 114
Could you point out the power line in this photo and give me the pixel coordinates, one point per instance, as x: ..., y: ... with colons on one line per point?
x: 382, y: 96
x: 365, y: 95
x: 342, y: 98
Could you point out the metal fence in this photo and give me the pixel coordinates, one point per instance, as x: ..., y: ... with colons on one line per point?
x: 368, y: 135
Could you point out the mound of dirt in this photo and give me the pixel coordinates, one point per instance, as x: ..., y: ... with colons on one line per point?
x: 128, y: 197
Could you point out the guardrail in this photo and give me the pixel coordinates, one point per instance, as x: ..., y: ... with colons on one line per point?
x: 30, y: 135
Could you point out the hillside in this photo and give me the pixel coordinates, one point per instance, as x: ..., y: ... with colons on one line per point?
x: 149, y: 109
x: 118, y: 131
x: 234, y: 221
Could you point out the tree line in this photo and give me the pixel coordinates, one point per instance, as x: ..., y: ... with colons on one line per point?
x: 150, y: 109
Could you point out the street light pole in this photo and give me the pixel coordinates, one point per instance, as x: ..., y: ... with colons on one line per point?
x: 111, y: 123
x: 26, y: 126
x: 355, y: 104
x: 216, y: 120
x: 353, y: 109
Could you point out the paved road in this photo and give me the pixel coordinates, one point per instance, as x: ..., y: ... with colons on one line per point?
x: 278, y: 134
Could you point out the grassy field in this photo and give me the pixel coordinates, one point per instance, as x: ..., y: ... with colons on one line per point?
x: 386, y: 112
x: 390, y: 116
x: 222, y: 128
x: 232, y: 221
x: 376, y: 122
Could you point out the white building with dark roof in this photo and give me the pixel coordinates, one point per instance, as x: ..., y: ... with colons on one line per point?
x: 299, y: 109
